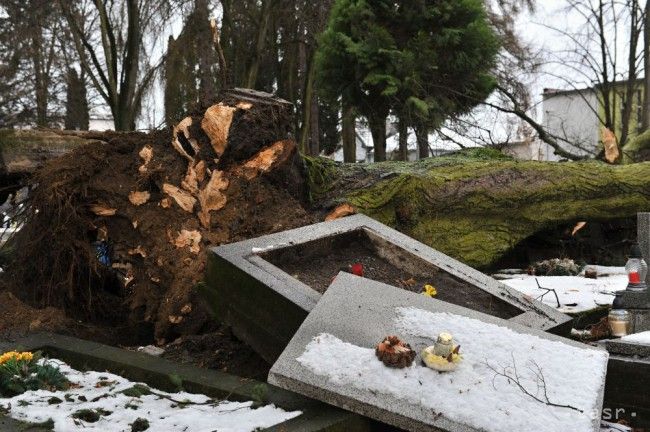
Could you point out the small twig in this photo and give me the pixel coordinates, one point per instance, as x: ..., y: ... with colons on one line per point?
x: 548, y: 290
x: 511, y: 374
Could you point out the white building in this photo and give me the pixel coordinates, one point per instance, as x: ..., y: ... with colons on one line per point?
x: 573, y: 116
x: 101, y: 123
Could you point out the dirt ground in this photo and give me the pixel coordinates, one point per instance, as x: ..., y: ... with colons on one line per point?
x: 317, y: 265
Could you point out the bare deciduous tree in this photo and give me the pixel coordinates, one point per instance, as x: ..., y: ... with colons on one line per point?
x: 116, y: 42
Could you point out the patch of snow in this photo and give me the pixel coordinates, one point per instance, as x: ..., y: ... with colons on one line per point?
x: 576, y: 293
x: 162, y: 413
x: 474, y: 395
x: 642, y: 338
x: 152, y: 350
x: 605, y: 270
x: 257, y: 250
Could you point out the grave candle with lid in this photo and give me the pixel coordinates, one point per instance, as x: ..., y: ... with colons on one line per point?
x: 637, y: 270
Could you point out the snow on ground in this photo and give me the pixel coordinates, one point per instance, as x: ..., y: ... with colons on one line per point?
x: 576, y: 293
x: 642, y: 338
x: 474, y: 395
x: 103, y: 391
x: 605, y: 270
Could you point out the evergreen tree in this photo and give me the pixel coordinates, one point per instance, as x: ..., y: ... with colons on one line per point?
x: 191, y: 67
x: 76, y: 105
x: 424, y: 59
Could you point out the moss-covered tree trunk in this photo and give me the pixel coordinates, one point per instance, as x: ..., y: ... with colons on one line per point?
x: 477, y: 206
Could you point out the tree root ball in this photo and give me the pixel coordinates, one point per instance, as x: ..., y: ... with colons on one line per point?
x: 395, y: 353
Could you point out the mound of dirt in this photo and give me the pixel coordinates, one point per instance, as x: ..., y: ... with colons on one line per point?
x: 117, y: 233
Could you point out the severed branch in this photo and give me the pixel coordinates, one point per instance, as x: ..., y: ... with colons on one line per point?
x: 223, y: 69
x: 511, y: 374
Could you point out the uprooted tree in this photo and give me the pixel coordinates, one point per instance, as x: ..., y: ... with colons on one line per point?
x: 118, y: 229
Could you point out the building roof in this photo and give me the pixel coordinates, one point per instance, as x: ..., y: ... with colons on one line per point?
x: 551, y: 92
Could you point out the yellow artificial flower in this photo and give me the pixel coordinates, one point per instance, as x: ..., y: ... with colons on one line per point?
x: 17, y: 356
x: 26, y: 356
x: 430, y: 291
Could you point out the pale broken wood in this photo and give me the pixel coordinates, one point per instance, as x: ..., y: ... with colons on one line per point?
x: 200, y: 169
x: 212, y: 197
x: 182, y: 198
x: 182, y: 132
x: 191, y: 181
x: 216, y: 125
x: 165, y: 203
x: 191, y: 239
x: 578, y: 227
x: 610, y: 144
x: 266, y: 159
x: 341, y: 211
x: 139, y: 198
x: 139, y: 250
x: 103, y: 210
x: 175, y: 319
x: 146, y: 154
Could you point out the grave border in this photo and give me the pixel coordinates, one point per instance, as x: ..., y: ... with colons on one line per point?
x: 163, y: 374
x: 249, y: 293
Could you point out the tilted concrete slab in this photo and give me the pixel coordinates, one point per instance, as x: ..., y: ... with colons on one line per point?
x: 361, y: 312
x: 265, y: 305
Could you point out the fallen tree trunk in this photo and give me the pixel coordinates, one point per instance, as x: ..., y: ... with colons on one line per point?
x: 22, y: 152
x: 478, y: 205
x: 475, y: 207
x: 121, y: 229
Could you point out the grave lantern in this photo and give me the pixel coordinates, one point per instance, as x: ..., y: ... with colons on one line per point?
x: 619, y: 318
x: 637, y: 270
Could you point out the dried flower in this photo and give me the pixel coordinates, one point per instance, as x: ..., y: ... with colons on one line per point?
x: 395, y: 353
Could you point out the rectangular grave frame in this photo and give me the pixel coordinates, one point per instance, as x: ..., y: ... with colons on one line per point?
x: 288, y: 373
x: 249, y: 293
x: 163, y: 374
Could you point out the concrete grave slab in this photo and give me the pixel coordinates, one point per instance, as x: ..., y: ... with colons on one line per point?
x: 331, y: 358
x: 252, y: 285
x: 627, y: 348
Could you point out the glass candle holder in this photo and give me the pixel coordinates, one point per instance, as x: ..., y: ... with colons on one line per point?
x: 637, y: 270
x: 619, y: 322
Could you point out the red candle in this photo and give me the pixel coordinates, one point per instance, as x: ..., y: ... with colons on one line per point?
x: 634, y: 277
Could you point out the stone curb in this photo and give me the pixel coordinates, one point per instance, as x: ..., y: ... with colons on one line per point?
x: 162, y: 374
